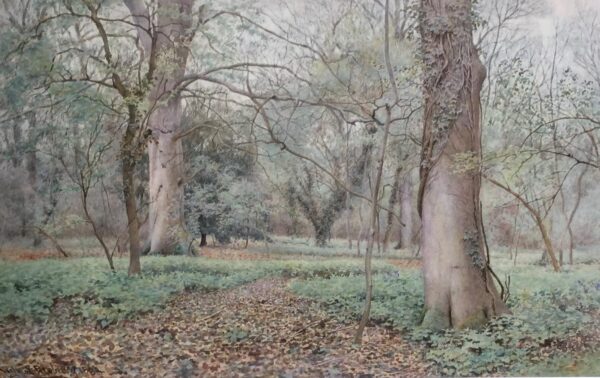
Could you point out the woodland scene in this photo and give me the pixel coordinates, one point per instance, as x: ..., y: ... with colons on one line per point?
x: 300, y: 188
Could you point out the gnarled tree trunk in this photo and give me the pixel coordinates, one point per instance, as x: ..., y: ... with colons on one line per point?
x: 459, y: 291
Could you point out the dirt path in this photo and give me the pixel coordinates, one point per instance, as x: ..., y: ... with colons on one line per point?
x: 255, y: 330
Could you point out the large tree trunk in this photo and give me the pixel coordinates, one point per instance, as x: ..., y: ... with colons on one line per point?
x: 166, y: 220
x: 459, y: 291
x: 167, y: 53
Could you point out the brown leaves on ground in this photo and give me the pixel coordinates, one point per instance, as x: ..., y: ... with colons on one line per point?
x: 20, y: 254
x: 405, y: 263
x: 256, y: 330
x: 235, y: 254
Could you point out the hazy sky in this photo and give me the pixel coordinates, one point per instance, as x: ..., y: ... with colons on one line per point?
x: 568, y: 8
x: 562, y: 10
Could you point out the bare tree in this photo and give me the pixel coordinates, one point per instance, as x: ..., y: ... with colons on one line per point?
x: 84, y: 172
x: 537, y: 217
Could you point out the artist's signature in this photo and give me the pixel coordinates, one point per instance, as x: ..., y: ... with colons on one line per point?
x: 46, y: 370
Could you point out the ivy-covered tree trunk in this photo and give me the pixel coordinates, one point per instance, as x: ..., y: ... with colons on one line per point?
x: 459, y: 291
x: 321, y: 214
x: 128, y: 161
x: 322, y: 232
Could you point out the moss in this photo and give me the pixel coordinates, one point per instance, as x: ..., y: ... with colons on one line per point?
x: 435, y: 319
x: 475, y: 321
x: 472, y: 249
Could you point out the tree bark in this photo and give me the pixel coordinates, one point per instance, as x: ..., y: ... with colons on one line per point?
x: 128, y: 160
x: 53, y: 240
x: 373, y: 229
x: 348, y: 227
x: 578, y: 195
x: 132, y: 219
x: 406, y: 209
x: 360, y: 229
x: 165, y: 151
x: 90, y: 220
x: 31, y: 162
x: 391, y: 204
x: 459, y: 291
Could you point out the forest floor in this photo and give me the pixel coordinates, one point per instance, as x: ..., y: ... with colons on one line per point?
x: 259, y: 329
x: 243, y: 312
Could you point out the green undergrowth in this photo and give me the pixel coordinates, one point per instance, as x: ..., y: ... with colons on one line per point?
x: 286, y: 246
x: 564, y: 364
x: 547, y: 308
x: 28, y: 290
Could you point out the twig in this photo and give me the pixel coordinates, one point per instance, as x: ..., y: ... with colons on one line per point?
x: 305, y: 328
x: 212, y: 315
x: 53, y: 241
x: 337, y: 360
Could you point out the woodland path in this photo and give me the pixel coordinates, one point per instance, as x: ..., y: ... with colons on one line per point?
x: 259, y: 329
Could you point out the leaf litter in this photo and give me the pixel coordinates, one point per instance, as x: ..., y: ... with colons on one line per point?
x: 259, y: 329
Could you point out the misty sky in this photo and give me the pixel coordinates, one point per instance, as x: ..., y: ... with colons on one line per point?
x: 565, y: 9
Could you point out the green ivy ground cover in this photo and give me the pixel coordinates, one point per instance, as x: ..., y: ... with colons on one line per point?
x: 547, y: 308
x: 28, y: 290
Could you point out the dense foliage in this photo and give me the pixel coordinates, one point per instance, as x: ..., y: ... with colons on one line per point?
x: 223, y: 199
